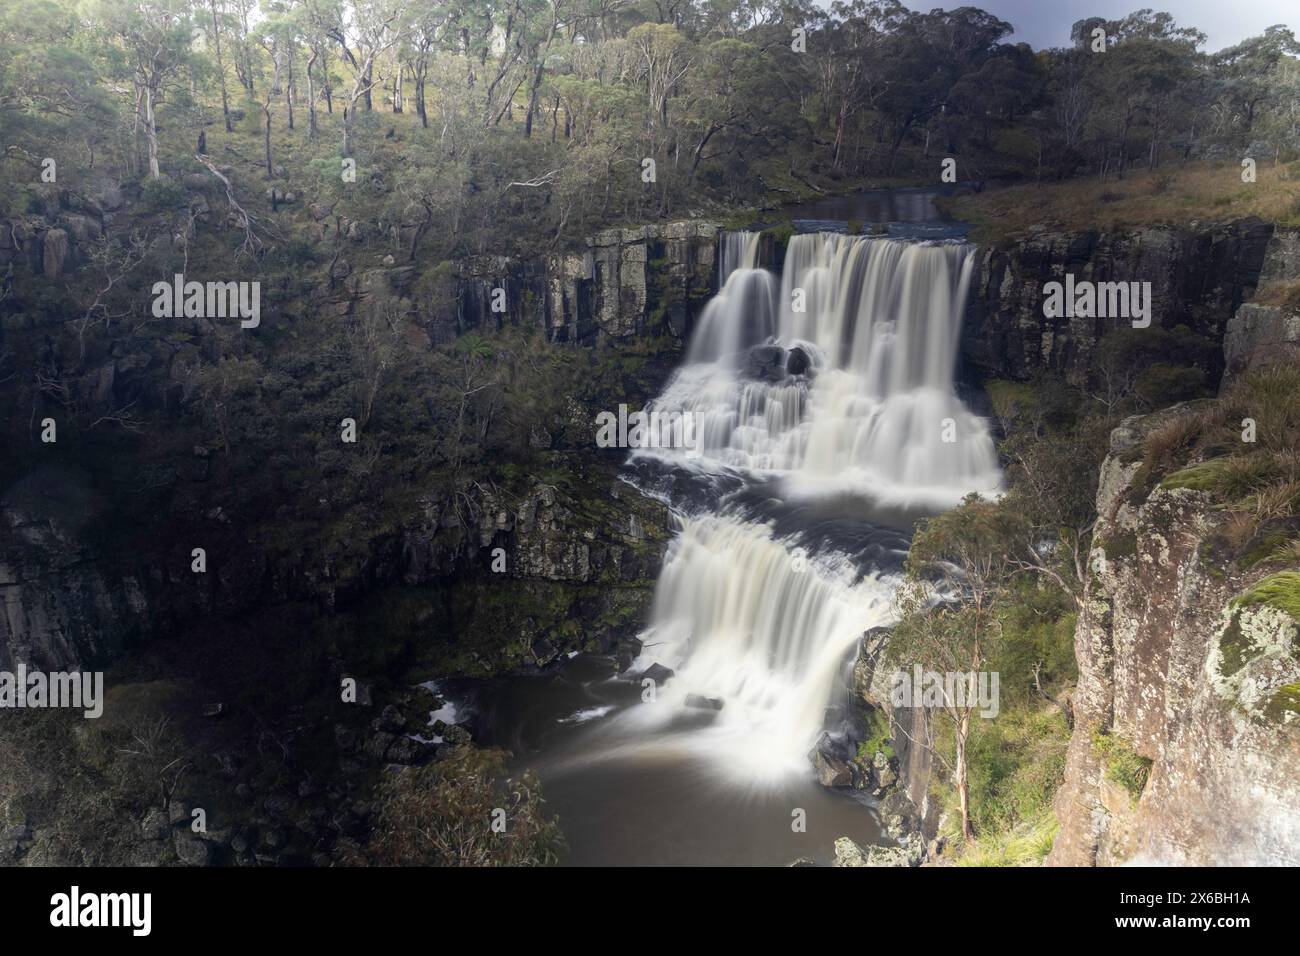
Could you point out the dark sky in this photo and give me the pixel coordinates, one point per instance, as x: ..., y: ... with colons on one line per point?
x: 1044, y: 23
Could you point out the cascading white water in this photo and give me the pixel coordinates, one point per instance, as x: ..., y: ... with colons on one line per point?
x: 760, y: 630
x: 877, y: 321
x: 838, y: 379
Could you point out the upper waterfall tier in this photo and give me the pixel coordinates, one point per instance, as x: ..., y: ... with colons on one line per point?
x: 841, y: 376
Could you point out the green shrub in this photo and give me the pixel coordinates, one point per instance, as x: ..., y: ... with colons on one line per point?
x: 441, y: 815
x: 162, y: 194
x: 878, y: 737
x: 1123, y: 765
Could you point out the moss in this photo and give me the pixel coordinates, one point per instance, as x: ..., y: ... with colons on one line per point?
x: 1123, y: 765
x: 878, y: 738
x: 1267, y: 548
x: 1281, y: 591
x: 1204, y: 476
x: 1286, y: 700
x: 1122, y: 544
x: 1235, y: 649
x: 781, y: 234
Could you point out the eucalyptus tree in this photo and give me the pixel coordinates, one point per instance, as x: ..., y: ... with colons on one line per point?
x: 365, y: 31
x: 1252, y: 76
x: 49, y: 86
x: 155, y: 36
x: 217, y: 13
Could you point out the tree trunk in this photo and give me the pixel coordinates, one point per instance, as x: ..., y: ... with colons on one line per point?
x: 311, y: 99
x: 221, y: 69
x: 270, y: 167
x: 963, y: 783
x: 151, y: 134
x: 420, y: 70
x: 288, y: 92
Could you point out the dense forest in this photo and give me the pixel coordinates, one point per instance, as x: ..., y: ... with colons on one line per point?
x: 537, y: 122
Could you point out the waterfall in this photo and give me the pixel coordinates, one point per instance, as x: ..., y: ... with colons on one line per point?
x: 835, y: 382
x: 844, y: 377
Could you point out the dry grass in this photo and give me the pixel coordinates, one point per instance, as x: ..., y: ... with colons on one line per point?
x: 1169, y: 196
x: 1285, y: 295
x: 1255, y: 482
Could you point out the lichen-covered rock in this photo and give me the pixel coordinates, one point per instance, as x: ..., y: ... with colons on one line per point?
x: 849, y: 854
x: 1189, y: 681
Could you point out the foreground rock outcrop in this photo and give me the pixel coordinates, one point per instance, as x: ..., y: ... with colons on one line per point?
x: 1186, y: 747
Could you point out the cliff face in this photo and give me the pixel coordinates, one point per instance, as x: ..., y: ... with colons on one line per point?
x: 1178, y: 681
x: 1198, y: 278
x: 1267, y: 331
x: 652, y: 280
x: 74, y: 593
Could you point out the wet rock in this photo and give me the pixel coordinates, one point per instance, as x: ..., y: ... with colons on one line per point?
x: 832, y: 771
x: 390, y: 720
x: 701, y: 702
x: 657, y: 673
x: 797, y: 362
x: 766, y: 363
x: 455, y: 736
x: 406, y: 751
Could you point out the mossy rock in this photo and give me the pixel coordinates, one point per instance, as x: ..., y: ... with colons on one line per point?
x: 1284, y: 702
x: 1280, y: 591
x: 1122, y: 544
x: 1122, y: 763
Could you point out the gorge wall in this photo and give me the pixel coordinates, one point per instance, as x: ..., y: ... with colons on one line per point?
x: 1177, y: 676
x: 648, y: 281
x: 75, y: 593
x: 1199, y: 276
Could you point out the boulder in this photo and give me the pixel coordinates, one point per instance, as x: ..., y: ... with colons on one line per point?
x: 832, y: 771
x: 54, y: 255
x: 192, y: 851
x: 765, y: 363
x: 657, y: 673
x: 797, y: 362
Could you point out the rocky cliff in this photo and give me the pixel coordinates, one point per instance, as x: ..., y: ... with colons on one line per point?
x: 1199, y: 277
x: 651, y: 280
x: 1186, y: 748
x: 1267, y: 329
